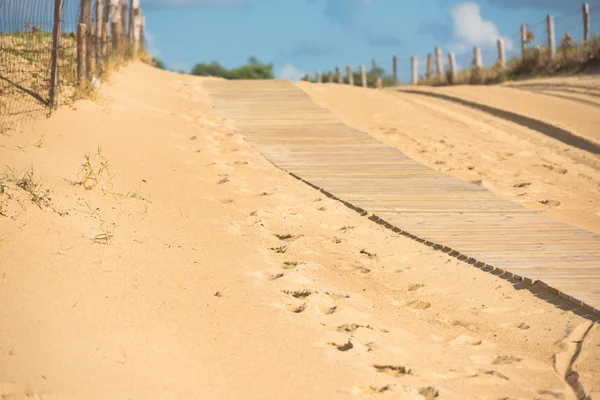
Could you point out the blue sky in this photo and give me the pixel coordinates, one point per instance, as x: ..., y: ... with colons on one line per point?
x: 301, y: 36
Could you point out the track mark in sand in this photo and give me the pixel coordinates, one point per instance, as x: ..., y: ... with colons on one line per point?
x: 343, y: 347
x: 558, y: 170
x: 563, y: 362
x: 329, y: 310
x: 368, y: 254
x: 337, y: 296
x: 374, y: 389
x: 393, y: 370
x: 290, y: 264
x: 551, y: 203
x: 264, y: 194
x: 419, y: 305
x: 465, y: 340
x: 556, y: 395
x: 523, y: 326
x: 279, y: 250
x: 227, y: 201
x: 496, y: 374
x: 298, y: 294
x: 296, y: 309
x: 346, y: 228
x: 415, y: 286
x: 429, y: 392
x: 336, y: 240
x: 223, y: 181
x: 522, y: 184
x: 273, y: 277
x: 506, y: 360
x: 241, y: 163
x: 287, y: 237
x: 362, y: 270
x: 352, y: 327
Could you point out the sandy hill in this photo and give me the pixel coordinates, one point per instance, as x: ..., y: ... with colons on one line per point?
x: 147, y: 251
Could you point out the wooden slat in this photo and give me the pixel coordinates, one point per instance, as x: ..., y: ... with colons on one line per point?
x: 290, y: 130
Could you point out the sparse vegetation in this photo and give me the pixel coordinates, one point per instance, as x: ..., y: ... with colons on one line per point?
x: 254, y: 69
x: 27, y: 181
x: 94, y: 171
x: 536, y: 62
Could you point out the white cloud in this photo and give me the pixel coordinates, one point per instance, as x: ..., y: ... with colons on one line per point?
x: 291, y: 73
x: 471, y: 29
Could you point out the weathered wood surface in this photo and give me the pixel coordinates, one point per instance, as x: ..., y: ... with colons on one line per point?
x: 466, y: 220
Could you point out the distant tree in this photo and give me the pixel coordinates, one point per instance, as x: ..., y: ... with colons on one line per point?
x: 254, y: 69
x: 158, y: 63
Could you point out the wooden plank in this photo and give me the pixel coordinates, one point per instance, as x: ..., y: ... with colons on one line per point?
x: 289, y: 129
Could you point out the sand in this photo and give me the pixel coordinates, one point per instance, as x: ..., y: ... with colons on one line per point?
x: 518, y: 163
x: 199, y: 270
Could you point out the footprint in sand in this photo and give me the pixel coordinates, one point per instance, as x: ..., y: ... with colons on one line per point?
x: 551, y: 203
x: 328, y: 310
x: 279, y: 250
x: 522, y: 184
x: 272, y: 277
x: 368, y: 254
x: 290, y: 264
x: 352, y: 327
x: 298, y: 294
x: 337, y: 296
x: 287, y: 237
x: 429, y: 393
x: 393, y: 370
x: 506, y: 360
x: 296, y: 309
x: 224, y: 180
x: 523, y: 326
x: 342, y: 347
x: 362, y: 270
x: 419, y: 305
x: 465, y: 340
x: 496, y: 374
x: 415, y: 286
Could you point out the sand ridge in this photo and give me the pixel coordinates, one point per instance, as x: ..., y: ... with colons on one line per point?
x: 220, y: 276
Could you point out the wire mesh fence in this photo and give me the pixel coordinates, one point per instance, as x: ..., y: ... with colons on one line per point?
x: 576, y: 45
x: 32, y: 31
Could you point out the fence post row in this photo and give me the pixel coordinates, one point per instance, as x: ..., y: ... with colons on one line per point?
x: 429, y: 72
x: 586, y: 22
x: 452, y: 61
x: 501, y: 54
x: 523, y: 39
x: 363, y: 76
x: 477, y: 59
x: 350, y: 76
x: 81, y: 54
x: 340, y: 77
x: 551, y: 37
x: 415, y: 70
x: 58, y: 6
x: 439, y: 62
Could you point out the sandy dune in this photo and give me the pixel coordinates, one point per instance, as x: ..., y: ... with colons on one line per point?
x: 519, y: 163
x: 199, y: 270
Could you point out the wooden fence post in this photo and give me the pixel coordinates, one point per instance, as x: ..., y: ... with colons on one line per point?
x: 429, y: 73
x: 350, y: 76
x: 523, y: 39
x: 439, y: 62
x: 586, y: 22
x: 477, y: 59
x: 415, y: 70
x: 135, y: 4
x: 105, y: 30
x: 319, y: 77
x: 115, y: 18
x: 374, y: 70
x: 99, y: 37
x: 85, y: 18
x: 501, y: 54
x: 340, y: 76
x: 551, y: 37
x: 330, y: 77
x: 143, y: 29
x: 81, y: 54
x: 124, y: 22
x: 58, y: 5
x: 452, y: 60
x: 395, y: 70
x: 363, y: 76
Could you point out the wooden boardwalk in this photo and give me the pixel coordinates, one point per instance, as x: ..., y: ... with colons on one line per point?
x: 463, y: 219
